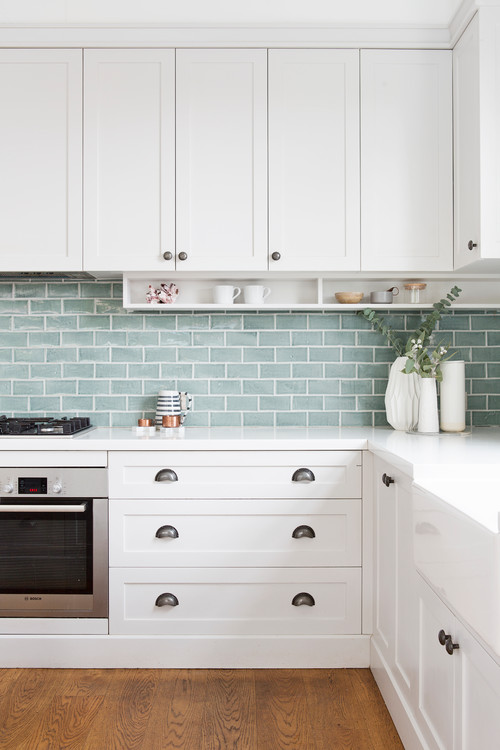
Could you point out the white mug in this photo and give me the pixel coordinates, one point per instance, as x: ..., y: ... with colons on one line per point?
x: 256, y: 294
x: 225, y: 294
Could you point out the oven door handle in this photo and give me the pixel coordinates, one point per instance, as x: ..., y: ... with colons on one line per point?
x: 43, y: 508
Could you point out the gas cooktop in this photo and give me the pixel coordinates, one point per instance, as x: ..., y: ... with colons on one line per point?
x: 40, y: 426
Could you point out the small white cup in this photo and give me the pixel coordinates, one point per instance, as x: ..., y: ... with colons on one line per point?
x: 225, y: 294
x: 256, y: 294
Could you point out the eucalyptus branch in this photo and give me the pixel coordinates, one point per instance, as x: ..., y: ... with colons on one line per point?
x: 379, y: 325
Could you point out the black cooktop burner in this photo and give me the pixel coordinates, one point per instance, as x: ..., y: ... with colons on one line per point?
x: 43, y: 425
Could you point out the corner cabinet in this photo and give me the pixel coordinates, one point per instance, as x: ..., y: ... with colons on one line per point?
x: 406, y: 160
x: 40, y: 160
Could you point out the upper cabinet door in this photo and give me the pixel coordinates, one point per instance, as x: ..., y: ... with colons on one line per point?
x: 221, y: 159
x: 40, y: 160
x: 406, y: 160
x: 129, y: 157
x: 314, y: 160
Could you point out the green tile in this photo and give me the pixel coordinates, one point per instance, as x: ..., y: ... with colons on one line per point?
x: 29, y: 323
x: 258, y: 419
x: 455, y: 323
x: 117, y: 289
x: 307, y: 403
x: 29, y: 355
x: 62, y: 289
x: 91, y: 387
x: 274, y: 338
x: 379, y: 386
x: 370, y: 338
x: 356, y: 419
x: 95, y: 322
x: 176, y: 338
x: 258, y: 354
x: 62, y: 322
x: 193, y: 322
x: 5, y: 322
x: 274, y: 403
x: 197, y: 420
x: 373, y: 403
x: 107, y: 370
x: 78, y: 306
x: 170, y: 371
x: 472, y: 372
x: 291, y: 419
x: 208, y: 338
x: 380, y: 419
x: 5, y: 387
x: 5, y: 355
x: 292, y: 354
x: 225, y: 419
x: 80, y: 370
x: 61, y: 355
x: 334, y: 338
x: 193, y: 354
x: 80, y: 404
x: 291, y: 321
x: 209, y: 403
x: 242, y: 403
x: 6, y: 290
x: 355, y: 386
x: 353, y: 322
x: 193, y: 386
x: 340, y: 403
x: 30, y: 290
x: 324, y: 322
x: 284, y: 387
x: 486, y: 354
x: 110, y: 338
x: 126, y: 418
x: 258, y: 322
x: 60, y: 386
x: 226, y: 322
x: 485, y: 418
x: 486, y: 386
x: 307, y: 338
x: 222, y: 387
x: 151, y: 387
x: 9, y: 404
x: 107, y: 306
x: 476, y: 402
x: 309, y: 370
x: 476, y: 338
x: 323, y: 419
x: 13, y: 339
x: 28, y: 387
x: 98, y: 354
x: 357, y: 354
x: 17, y: 307
x: 344, y: 371
x: 372, y: 371
x: 95, y: 289
x: 242, y: 338
x: 127, y: 322
x: 233, y: 354
x: 210, y: 371
x: 160, y: 322
x: 40, y: 371
x: 45, y: 306
x: 45, y: 403
x: 158, y: 354
x: 489, y: 322
x: 244, y: 370
x: 76, y: 338
x: 326, y: 354
x: 110, y: 403
x: 101, y: 419
x: 384, y: 354
x: 142, y: 338
x: 259, y: 387
x: 120, y: 354
x: 323, y: 386
x: 134, y: 371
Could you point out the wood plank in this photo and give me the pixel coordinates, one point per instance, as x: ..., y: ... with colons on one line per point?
x: 229, y: 719
x: 282, y: 710
x: 373, y: 713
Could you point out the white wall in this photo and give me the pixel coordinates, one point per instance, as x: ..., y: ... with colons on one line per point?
x: 219, y: 12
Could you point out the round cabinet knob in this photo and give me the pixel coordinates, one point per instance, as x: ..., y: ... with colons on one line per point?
x: 303, y: 599
x: 387, y: 480
x: 471, y: 245
x: 168, y: 256
x: 167, y: 600
x: 166, y: 475
x: 303, y: 531
x: 182, y: 256
x: 443, y: 637
x: 167, y: 531
x: 57, y: 487
x: 275, y: 256
x: 8, y: 488
x: 450, y: 646
x: 303, y: 475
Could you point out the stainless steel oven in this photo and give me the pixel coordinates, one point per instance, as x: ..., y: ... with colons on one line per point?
x: 53, y: 542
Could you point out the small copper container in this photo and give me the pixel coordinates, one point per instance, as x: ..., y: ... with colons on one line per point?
x: 171, y: 420
x: 145, y: 423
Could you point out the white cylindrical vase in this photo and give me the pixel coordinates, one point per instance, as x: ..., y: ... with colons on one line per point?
x: 401, y: 397
x: 452, y: 393
x: 428, y: 420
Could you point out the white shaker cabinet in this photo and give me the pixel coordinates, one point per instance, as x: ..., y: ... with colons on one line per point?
x: 313, y: 160
x: 406, y: 160
x: 129, y: 199
x: 40, y: 160
x: 221, y: 175
x: 476, y: 88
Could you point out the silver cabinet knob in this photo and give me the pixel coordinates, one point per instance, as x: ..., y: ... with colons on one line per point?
x: 302, y: 599
x: 57, y: 487
x: 182, y: 256
x: 166, y: 475
x: 303, y: 475
x: 168, y: 256
x: 303, y: 531
x: 275, y: 256
x: 8, y: 488
x: 167, y: 532
x: 167, y: 600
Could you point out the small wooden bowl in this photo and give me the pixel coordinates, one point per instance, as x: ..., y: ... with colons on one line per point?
x: 348, y: 298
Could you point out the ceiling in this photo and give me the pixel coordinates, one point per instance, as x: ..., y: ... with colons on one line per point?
x: 221, y: 12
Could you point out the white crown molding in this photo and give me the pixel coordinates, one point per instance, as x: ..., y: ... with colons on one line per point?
x: 158, y: 35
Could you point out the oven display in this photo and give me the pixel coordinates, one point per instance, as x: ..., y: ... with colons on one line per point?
x: 32, y: 486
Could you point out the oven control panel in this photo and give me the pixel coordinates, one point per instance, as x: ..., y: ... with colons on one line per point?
x: 53, y: 482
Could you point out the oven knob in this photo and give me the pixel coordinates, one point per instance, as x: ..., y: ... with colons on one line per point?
x: 8, y: 487
x: 57, y: 487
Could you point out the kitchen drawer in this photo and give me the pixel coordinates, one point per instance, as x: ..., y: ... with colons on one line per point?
x: 251, y: 601
x: 234, y: 474
x: 235, y: 533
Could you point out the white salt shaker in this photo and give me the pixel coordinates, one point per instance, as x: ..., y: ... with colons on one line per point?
x: 452, y: 391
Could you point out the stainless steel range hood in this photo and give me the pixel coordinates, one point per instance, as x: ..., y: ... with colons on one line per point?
x: 45, y: 275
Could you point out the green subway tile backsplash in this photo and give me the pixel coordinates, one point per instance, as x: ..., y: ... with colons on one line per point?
x: 68, y: 347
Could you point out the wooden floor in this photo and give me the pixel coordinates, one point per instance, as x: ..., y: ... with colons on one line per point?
x: 193, y: 709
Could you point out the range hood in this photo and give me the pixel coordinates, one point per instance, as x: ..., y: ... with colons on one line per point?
x: 50, y: 275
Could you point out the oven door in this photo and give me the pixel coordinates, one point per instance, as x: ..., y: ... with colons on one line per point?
x: 53, y: 557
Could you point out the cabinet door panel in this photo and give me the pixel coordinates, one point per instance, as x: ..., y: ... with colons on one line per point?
x: 314, y: 159
x: 222, y: 159
x: 129, y: 159
x: 406, y: 160
x: 40, y: 160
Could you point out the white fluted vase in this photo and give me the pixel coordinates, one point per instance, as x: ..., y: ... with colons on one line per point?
x: 402, y: 397
x: 428, y: 418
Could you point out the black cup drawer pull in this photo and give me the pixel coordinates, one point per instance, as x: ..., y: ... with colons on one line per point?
x: 387, y: 480
x: 303, y: 531
x: 166, y: 475
x: 303, y: 475
x: 167, y: 531
x: 302, y: 599
x: 167, y: 600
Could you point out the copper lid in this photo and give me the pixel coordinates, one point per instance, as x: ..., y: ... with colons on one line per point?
x: 145, y: 422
